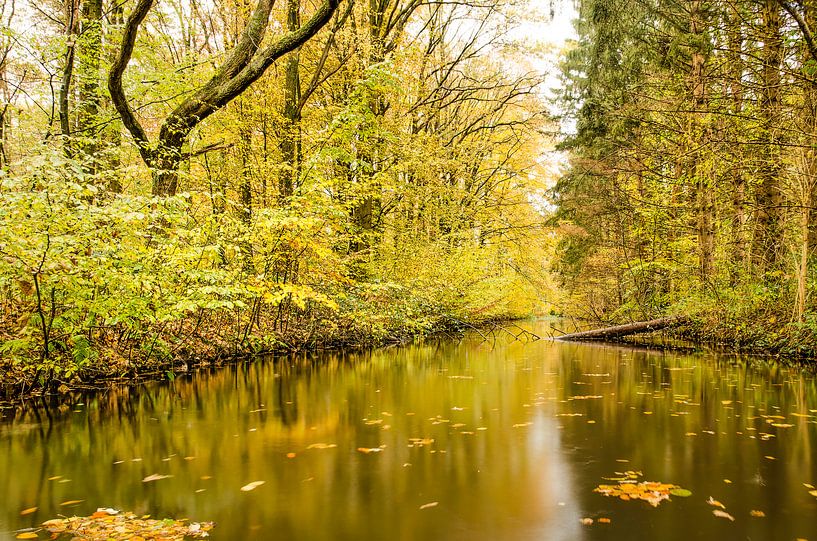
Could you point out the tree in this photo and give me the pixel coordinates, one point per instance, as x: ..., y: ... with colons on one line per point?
x: 243, y: 65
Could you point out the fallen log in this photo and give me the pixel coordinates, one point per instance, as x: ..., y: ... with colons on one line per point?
x: 620, y: 331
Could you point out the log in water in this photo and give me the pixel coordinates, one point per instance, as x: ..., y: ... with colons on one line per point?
x: 620, y: 331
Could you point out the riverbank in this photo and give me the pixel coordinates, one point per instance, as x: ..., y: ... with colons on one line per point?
x: 212, y: 340
x: 760, y: 334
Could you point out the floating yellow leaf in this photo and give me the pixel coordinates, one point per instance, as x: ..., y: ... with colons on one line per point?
x: 813, y: 492
x: 715, y: 503
x: 252, y: 486
x: 322, y: 446
x: 603, y: 520
x: 367, y: 450
x: 723, y: 514
x: 291, y: 455
x: 651, y: 492
x: 155, y: 477
x: 587, y: 521
x: 429, y: 505
x: 72, y: 502
x: 26, y: 535
x: 756, y: 513
x: 28, y: 511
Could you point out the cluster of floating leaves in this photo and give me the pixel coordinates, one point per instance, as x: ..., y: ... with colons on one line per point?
x: 110, y: 524
x: 629, y: 488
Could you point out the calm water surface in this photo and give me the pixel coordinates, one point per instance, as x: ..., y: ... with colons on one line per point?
x: 509, y: 440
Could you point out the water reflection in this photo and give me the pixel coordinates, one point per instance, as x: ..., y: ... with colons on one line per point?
x: 522, y: 433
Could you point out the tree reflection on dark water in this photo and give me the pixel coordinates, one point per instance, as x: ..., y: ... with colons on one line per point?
x: 522, y: 434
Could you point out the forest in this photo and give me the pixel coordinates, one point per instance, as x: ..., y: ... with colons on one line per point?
x: 692, y: 184
x: 186, y: 181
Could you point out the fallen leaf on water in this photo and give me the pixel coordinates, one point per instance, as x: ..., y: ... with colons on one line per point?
x: 291, y: 455
x: 26, y: 535
x: 72, y: 502
x: 651, y: 492
x: 813, y: 492
x: 723, y: 514
x: 104, y: 526
x: 252, y: 486
x: 727, y: 481
x: 521, y: 425
x: 769, y: 457
x: 429, y: 505
x: 603, y: 520
x: 715, y: 503
x: 367, y: 450
x: 322, y: 446
x: 155, y: 477
x: 28, y: 511
x: 587, y: 521
x: 807, y: 485
x: 756, y: 513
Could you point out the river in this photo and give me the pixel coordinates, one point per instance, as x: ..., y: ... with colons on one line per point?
x: 443, y: 440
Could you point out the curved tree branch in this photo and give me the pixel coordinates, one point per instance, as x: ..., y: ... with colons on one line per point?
x: 120, y: 101
x: 804, y: 28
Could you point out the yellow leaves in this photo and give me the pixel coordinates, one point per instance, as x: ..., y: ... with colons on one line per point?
x: 28, y: 511
x: 587, y: 521
x: 429, y: 505
x: 369, y: 450
x: 252, y: 486
x: 155, y: 477
x: 71, y: 502
x: 110, y: 524
x: 322, y: 446
x: 813, y: 493
x: 651, y: 492
x: 723, y: 514
x: 756, y: 513
x: 420, y: 442
x: 715, y: 503
x: 26, y: 535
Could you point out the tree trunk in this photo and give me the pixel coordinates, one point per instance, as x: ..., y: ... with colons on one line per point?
x: 620, y: 331
x: 71, y: 30
x: 740, y: 250
x: 768, y: 241
x: 290, y: 144
x: 698, y: 138
x: 89, y: 81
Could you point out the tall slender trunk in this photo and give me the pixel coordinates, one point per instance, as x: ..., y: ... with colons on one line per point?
x: 89, y: 81
x: 768, y: 239
x: 698, y: 136
x: 740, y: 248
x: 290, y: 144
x: 71, y: 31
x: 245, y: 193
x: 364, y: 210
